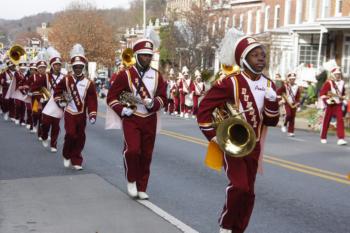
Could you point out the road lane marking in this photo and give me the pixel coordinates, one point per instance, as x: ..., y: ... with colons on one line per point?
x: 340, y: 178
x: 270, y: 159
x: 308, y: 172
x: 166, y: 216
x: 296, y: 139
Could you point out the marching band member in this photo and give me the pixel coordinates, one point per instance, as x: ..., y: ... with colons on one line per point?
x: 169, y: 108
x: 84, y: 100
x: 37, y: 82
x: 6, y: 78
x: 333, y: 93
x: 290, y: 92
x: 28, y: 78
x: 139, y: 124
x: 52, y: 114
x: 19, y: 94
x: 198, y: 90
x: 184, y: 90
x: 176, y: 94
x: 249, y: 89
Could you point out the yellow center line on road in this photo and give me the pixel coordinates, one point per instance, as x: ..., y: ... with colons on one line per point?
x: 273, y: 160
x: 328, y: 175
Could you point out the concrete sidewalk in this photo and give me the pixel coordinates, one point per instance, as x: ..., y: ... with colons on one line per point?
x: 73, y: 204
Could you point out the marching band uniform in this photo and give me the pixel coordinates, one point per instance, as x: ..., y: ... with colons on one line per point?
x: 169, y: 108
x: 6, y: 78
x: 52, y: 114
x: 198, y: 89
x: 38, y: 81
x: 184, y: 90
x: 19, y: 95
x: 333, y: 104
x: 176, y: 94
x: 84, y: 100
x: 28, y: 78
x: 139, y: 125
x: 244, y: 92
x: 291, y: 93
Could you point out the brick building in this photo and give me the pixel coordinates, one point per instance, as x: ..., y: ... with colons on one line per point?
x: 297, y: 32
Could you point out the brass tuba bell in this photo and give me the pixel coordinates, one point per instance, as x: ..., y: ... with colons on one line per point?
x: 128, y: 57
x: 230, y: 69
x: 46, y: 94
x: 234, y: 135
x: 15, y: 53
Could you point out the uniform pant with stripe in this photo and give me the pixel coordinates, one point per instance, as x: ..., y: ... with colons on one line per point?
x: 290, y: 118
x: 52, y: 123
x: 333, y: 110
x: 74, y: 139
x: 240, y: 195
x: 139, y: 138
x: 20, y: 110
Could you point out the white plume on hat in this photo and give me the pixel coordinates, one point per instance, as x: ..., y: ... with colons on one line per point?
x: 42, y: 55
x: 329, y: 65
x: 185, y: 70
x: 171, y: 72
x: 22, y: 59
x: 52, y: 52
x: 77, y: 50
x: 153, y: 36
x: 227, y: 46
x: 197, y: 73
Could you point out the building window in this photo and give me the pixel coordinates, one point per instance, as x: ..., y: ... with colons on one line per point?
x: 338, y: 7
x: 277, y: 17
x: 308, y: 49
x: 299, y: 12
x: 325, y: 9
x: 249, y: 25
x: 258, y: 21
x: 226, y: 23
x: 346, y: 57
x: 287, y: 5
x: 266, y: 20
x: 241, y: 18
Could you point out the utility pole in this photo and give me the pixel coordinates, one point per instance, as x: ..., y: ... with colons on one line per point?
x: 144, y: 17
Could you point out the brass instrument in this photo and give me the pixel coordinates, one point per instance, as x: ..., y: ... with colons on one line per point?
x: 46, y: 95
x: 129, y: 100
x: 15, y: 53
x: 230, y: 69
x: 333, y: 98
x: 234, y: 135
x: 292, y: 105
x: 65, y: 99
x: 128, y: 57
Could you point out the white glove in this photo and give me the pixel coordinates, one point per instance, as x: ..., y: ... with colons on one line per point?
x: 127, y: 111
x: 270, y: 94
x: 148, y: 102
x: 214, y: 139
x: 330, y: 101
x: 92, y: 121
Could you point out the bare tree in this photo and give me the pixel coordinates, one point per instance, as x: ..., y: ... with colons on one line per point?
x: 81, y: 23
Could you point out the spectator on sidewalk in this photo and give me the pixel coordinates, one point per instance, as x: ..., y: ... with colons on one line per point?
x: 310, y: 96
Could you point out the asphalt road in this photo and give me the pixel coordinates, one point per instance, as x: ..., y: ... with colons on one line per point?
x: 304, y: 188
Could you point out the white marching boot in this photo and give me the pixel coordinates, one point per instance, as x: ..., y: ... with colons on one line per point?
x: 132, y: 189
x: 66, y: 163
x: 143, y: 195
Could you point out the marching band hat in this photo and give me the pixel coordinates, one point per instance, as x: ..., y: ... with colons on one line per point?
x: 54, y: 56
x: 42, y: 59
x: 291, y: 75
x: 143, y: 46
x: 77, y: 55
x: 336, y: 70
x: 197, y: 74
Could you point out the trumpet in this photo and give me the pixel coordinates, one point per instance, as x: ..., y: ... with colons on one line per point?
x: 234, y: 135
x: 129, y: 100
x: 128, y: 57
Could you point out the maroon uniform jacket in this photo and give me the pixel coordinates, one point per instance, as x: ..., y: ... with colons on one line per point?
x: 243, y: 93
x: 292, y: 95
x: 84, y: 96
x: 152, y: 86
x: 336, y: 88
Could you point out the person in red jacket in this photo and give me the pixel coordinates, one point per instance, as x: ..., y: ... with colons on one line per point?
x: 333, y: 93
x: 83, y: 102
x: 52, y: 114
x: 38, y: 81
x: 252, y: 93
x: 185, y: 87
x: 8, y: 104
x: 28, y: 81
x: 139, y: 123
x: 198, y: 90
x: 290, y: 92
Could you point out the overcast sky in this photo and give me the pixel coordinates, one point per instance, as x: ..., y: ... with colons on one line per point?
x: 16, y: 9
